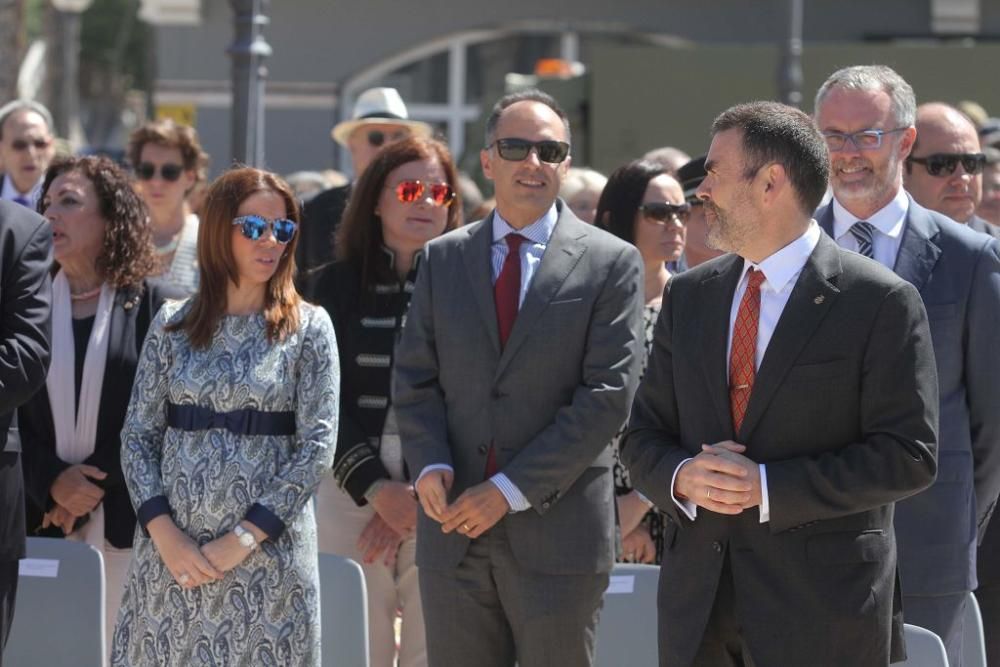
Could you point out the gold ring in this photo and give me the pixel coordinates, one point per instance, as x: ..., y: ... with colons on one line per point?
x: 465, y: 527
x: 708, y: 493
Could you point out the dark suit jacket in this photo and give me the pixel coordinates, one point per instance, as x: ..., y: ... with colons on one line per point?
x: 957, y: 272
x: 977, y: 224
x: 550, y: 401
x: 843, y: 413
x: 320, y: 218
x: 25, y: 302
x: 131, y: 315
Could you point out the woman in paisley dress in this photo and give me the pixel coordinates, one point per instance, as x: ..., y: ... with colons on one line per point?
x: 644, y: 205
x: 231, y: 427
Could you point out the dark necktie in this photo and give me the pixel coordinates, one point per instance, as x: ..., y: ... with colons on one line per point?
x: 23, y: 201
x: 506, y: 295
x: 864, y: 232
x: 742, y: 357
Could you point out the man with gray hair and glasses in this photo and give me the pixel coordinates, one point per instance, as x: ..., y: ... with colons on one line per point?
x: 26, y: 149
x: 867, y: 115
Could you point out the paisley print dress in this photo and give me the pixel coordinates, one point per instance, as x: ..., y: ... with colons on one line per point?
x: 266, y: 610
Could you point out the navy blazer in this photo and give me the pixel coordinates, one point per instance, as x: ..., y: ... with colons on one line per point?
x: 957, y: 272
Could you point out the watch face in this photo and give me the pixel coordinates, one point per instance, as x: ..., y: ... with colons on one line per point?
x: 246, y: 539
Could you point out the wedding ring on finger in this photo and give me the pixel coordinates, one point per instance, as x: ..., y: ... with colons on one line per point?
x: 708, y: 494
x: 465, y: 527
x: 184, y: 580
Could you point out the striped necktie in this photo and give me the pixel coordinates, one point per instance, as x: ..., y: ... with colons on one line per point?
x: 863, y: 232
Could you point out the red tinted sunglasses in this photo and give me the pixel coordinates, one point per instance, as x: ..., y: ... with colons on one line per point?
x: 408, y: 192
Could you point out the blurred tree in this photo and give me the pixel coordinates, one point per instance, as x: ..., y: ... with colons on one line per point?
x: 11, y: 46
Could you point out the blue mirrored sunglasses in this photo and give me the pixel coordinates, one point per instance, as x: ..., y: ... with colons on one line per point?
x: 254, y: 227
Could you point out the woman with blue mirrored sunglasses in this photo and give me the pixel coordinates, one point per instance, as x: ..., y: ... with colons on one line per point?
x: 253, y: 227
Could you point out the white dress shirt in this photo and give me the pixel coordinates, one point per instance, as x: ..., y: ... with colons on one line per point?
x: 10, y: 191
x: 537, y: 236
x: 781, y: 271
x: 888, y: 223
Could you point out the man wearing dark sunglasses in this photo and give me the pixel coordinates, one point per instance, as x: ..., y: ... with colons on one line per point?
x: 516, y: 367
x: 26, y: 149
x: 380, y: 118
x: 944, y: 172
x: 957, y: 272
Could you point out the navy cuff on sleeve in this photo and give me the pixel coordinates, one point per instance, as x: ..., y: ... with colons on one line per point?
x: 151, y: 509
x: 266, y: 520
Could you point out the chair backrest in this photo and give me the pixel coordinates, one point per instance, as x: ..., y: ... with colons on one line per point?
x: 59, y: 608
x: 923, y: 648
x: 344, y: 612
x: 627, y: 630
x: 973, y: 637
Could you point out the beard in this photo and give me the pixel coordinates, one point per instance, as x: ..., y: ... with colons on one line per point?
x: 871, y: 193
x: 725, y: 232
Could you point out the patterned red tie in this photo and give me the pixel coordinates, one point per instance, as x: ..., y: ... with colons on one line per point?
x: 506, y: 295
x: 742, y: 357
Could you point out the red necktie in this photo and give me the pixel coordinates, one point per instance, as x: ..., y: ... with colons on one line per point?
x: 742, y: 357
x: 506, y: 295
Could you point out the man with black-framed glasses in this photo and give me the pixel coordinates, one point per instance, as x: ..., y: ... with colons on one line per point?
x: 957, y: 272
x: 26, y: 149
x: 945, y: 170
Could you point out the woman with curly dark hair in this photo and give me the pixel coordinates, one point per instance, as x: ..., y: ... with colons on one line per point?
x: 102, y: 306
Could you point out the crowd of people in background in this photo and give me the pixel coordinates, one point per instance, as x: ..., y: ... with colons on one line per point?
x: 212, y: 382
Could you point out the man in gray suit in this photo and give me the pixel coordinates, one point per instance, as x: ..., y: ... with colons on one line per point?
x: 516, y: 366
x: 867, y: 115
x: 789, y: 401
x: 944, y: 171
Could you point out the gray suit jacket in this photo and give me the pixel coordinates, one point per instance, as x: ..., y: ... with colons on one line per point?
x: 843, y: 413
x: 550, y: 401
x: 977, y: 224
x: 957, y: 272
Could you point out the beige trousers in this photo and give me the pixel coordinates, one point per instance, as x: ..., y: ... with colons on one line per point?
x: 390, y: 589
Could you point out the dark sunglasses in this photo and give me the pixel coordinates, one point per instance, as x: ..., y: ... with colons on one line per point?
x: 146, y: 171
x: 20, y: 145
x: 377, y: 137
x: 254, y: 227
x: 408, y: 192
x: 663, y: 212
x: 516, y: 150
x: 938, y: 163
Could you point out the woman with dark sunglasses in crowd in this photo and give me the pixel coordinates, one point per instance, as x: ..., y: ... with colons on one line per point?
x: 231, y: 426
x: 169, y: 163
x: 102, y: 306
x: 644, y: 205
x: 367, y: 510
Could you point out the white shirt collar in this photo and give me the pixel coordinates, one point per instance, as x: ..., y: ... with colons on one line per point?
x: 888, y: 220
x: 540, y: 231
x: 784, y: 265
x: 10, y: 191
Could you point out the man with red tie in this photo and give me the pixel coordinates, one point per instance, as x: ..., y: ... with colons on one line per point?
x: 789, y: 401
x: 517, y: 364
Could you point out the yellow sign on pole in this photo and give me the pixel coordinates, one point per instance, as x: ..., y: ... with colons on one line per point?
x: 183, y: 114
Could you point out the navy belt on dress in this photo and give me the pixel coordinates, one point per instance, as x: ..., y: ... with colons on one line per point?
x: 240, y: 422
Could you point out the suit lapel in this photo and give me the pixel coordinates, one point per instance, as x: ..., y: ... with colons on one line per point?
x: 564, y: 250
x: 918, y: 252
x: 810, y: 301
x: 718, y: 289
x: 478, y: 266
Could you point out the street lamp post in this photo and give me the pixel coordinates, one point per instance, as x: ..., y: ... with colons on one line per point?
x: 790, y: 65
x: 248, y: 51
x: 67, y: 92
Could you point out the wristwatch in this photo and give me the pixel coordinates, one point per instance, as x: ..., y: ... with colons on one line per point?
x: 245, y: 537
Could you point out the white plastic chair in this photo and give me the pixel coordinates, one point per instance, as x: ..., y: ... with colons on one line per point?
x: 343, y: 612
x: 627, y: 629
x: 59, y: 608
x: 923, y: 648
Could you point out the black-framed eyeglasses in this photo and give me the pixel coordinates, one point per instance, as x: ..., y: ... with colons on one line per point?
x: 377, y: 138
x: 146, y: 171
x: 864, y: 140
x: 945, y: 164
x: 663, y: 212
x: 254, y: 227
x: 515, y: 150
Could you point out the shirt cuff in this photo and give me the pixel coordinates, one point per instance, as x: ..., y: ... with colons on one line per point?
x: 432, y: 467
x: 149, y: 510
x: 689, y: 508
x: 516, y: 499
x: 765, y: 505
x: 266, y: 520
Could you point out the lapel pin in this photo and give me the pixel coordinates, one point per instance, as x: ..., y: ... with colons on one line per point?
x: 820, y: 299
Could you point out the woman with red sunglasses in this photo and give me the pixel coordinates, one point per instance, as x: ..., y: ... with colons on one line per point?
x: 366, y: 510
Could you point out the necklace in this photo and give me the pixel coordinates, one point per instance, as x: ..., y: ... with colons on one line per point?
x: 83, y: 296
